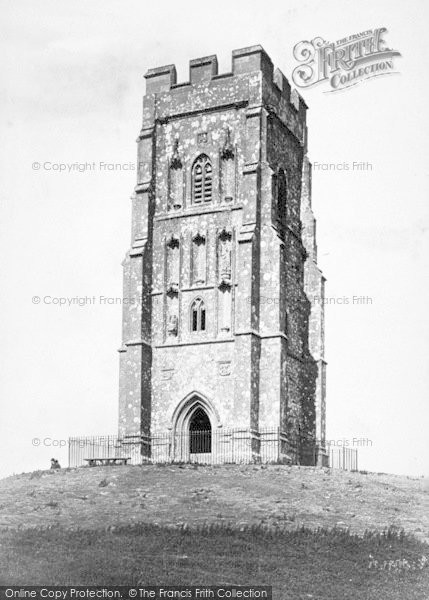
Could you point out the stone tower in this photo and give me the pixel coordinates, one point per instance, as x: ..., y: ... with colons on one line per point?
x: 223, y: 299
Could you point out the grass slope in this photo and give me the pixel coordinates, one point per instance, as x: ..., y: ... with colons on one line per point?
x: 284, y: 526
x: 327, y: 565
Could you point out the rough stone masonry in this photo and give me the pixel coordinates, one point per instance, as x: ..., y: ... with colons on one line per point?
x: 227, y: 336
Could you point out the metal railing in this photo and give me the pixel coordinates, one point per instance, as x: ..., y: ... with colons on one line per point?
x: 343, y: 458
x: 203, y: 447
x: 222, y: 446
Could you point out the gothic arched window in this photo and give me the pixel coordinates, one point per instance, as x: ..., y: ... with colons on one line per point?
x: 202, y: 180
x: 198, y: 315
x: 281, y: 196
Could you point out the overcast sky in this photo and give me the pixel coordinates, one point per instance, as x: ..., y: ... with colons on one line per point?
x: 72, y: 84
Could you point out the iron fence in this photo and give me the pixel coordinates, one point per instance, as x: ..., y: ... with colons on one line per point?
x: 203, y: 447
x: 217, y: 447
x: 209, y: 447
x: 343, y: 458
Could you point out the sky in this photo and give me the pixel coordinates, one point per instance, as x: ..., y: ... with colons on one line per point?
x: 71, y: 92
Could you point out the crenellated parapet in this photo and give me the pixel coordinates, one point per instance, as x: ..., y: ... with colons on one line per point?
x: 252, y: 81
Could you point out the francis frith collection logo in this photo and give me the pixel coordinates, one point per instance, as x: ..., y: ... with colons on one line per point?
x: 343, y: 63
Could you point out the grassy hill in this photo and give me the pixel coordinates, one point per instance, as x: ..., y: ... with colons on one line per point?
x: 301, y: 530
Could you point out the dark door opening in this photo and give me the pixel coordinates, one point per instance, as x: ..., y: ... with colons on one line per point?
x: 200, y: 433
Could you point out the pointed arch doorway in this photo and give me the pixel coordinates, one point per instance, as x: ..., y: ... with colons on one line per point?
x: 194, y: 421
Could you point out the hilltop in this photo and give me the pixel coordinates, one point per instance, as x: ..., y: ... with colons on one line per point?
x: 274, y: 495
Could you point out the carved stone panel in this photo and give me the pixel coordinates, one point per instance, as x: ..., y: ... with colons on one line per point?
x: 224, y: 368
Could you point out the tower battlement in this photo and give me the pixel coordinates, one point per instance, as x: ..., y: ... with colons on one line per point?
x: 252, y: 79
